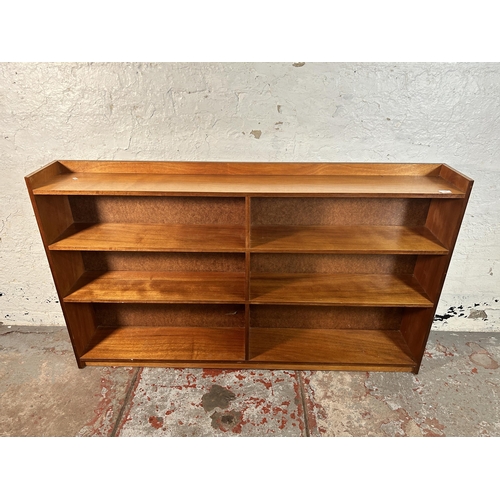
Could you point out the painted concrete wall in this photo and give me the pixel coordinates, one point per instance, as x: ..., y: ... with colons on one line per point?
x: 414, y: 112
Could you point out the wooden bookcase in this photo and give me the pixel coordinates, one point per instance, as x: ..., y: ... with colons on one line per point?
x: 320, y: 266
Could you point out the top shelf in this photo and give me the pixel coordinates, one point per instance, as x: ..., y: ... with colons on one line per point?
x: 135, y: 184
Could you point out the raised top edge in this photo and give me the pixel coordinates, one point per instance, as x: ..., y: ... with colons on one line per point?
x: 251, y: 168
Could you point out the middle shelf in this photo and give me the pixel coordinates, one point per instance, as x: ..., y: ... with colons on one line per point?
x: 151, y: 238
x: 385, y: 290
x: 382, y: 290
x: 158, y: 287
x: 417, y: 240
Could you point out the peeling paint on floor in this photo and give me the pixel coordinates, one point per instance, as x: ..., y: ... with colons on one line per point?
x: 211, y: 402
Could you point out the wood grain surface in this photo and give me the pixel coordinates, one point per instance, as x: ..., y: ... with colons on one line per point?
x: 230, y: 185
x: 346, y: 239
x: 174, y: 343
x: 160, y: 287
x: 151, y: 238
x: 329, y: 346
x: 244, y: 168
x: 383, y: 290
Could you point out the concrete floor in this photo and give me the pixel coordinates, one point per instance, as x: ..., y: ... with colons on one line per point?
x: 43, y: 393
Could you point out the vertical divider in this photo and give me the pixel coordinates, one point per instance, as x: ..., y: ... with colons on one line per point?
x: 248, y: 226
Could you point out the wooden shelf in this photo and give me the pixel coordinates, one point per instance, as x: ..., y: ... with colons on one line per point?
x: 204, y: 238
x: 151, y: 238
x: 396, y: 186
x: 236, y: 248
x: 350, y: 347
x: 384, y: 290
x: 142, y: 344
x: 346, y: 239
x: 160, y: 287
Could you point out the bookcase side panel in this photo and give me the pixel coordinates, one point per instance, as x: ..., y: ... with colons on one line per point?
x: 444, y: 220
x: 53, y: 214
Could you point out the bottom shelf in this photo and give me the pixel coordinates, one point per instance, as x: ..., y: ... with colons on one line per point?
x: 324, y: 346
x: 279, y: 348
x: 134, y: 345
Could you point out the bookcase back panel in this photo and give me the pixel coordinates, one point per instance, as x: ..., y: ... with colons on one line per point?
x: 325, y: 263
x: 357, y: 318
x: 339, y: 211
x: 158, y: 315
x: 163, y: 262
x: 158, y: 210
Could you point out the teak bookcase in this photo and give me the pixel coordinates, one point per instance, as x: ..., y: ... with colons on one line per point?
x: 321, y: 266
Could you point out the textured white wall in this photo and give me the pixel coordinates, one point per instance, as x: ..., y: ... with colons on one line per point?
x: 411, y: 112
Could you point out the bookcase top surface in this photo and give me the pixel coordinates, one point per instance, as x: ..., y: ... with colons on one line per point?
x: 425, y: 180
x: 227, y: 185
